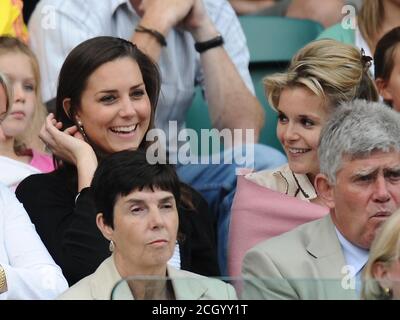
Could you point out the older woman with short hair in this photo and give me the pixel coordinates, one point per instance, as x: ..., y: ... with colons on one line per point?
x: 137, y: 204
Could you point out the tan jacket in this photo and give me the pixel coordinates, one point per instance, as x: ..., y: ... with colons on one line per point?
x: 305, y: 263
x: 283, y: 180
x: 186, y: 285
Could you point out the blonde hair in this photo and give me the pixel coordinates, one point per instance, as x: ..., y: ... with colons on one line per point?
x: 4, y: 82
x: 369, y: 20
x: 10, y: 44
x: 332, y: 70
x: 385, y: 249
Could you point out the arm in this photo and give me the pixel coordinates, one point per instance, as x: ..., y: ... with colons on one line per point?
x: 263, y: 279
x: 199, y: 245
x: 31, y: 272
x: 225, y: 76
x: 68, y: 229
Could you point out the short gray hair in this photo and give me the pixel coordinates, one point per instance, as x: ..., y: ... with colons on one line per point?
x: 354, y: 130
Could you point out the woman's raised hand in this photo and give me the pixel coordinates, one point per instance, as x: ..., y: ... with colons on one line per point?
x: 70, y: 146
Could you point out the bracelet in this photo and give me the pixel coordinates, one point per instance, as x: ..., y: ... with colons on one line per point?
x: 209, y: 44
x: 158, y: 35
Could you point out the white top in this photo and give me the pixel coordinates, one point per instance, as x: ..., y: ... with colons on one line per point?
x: 30, y: 270
x: 57, y: 26
x: 13, y: 172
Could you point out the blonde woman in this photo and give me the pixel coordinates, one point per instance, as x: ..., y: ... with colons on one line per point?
x: 382, y: 271
x: 21, y: 151
x: 375, y: 18
x: 321, y: 75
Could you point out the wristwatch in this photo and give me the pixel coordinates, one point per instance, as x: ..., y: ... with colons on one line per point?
x: 209, y: 44
x: 3, y: 280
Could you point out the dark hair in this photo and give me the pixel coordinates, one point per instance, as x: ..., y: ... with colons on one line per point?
x: 88, y: 56
x: 123, y: 172
x: 384, y: 54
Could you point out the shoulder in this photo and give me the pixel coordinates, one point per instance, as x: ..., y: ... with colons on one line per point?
x: 295, y: 242
x: 96, y: 286
x: 38, y: 187
x: 273, y: 179
x: 212, y: 288
x: 339, y: 33
x: 79, y: 291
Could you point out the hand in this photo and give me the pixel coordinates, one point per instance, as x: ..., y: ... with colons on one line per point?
x: 68, y: 145
x: 189, y: 15
x: 163, y: 15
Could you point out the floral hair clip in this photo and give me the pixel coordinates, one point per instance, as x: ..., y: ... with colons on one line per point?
x: 365, y: 60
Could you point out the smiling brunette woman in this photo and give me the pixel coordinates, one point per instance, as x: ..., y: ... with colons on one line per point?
x: 106, y: 99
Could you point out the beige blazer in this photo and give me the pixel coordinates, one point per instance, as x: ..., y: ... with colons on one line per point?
x: 305, y: 263
x: 186, y: 285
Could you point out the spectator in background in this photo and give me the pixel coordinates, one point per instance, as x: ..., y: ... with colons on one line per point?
x: 375, y: 18
x: 11, y: 20
x: 21, y: 151
x: 387, y: 68
x: 359, y: 158
x: 106, y: 100
x: 27, y: 271
x: 167, y: 31
x: 382, y: 271
x: 328, y: 13
x: 137, y: 212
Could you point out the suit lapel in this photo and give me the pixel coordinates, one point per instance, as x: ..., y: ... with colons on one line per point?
x: 186, y: 287
x: 325, y: 247
x: 104, y: 280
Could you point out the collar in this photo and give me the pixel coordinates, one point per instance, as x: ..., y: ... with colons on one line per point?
x: 354, y: 256
x: 297, y: 185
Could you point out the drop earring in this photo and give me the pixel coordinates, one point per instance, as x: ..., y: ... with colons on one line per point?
x: 81, y: 129
x: 388, y: 292
x: 111, y: 247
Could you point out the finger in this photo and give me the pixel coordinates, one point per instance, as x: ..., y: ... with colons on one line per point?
x: 59, y: 125
x: 79, y: 135
x: 71, y: 130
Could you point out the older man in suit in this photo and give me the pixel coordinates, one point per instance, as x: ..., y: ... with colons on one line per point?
x: 359, y: 156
